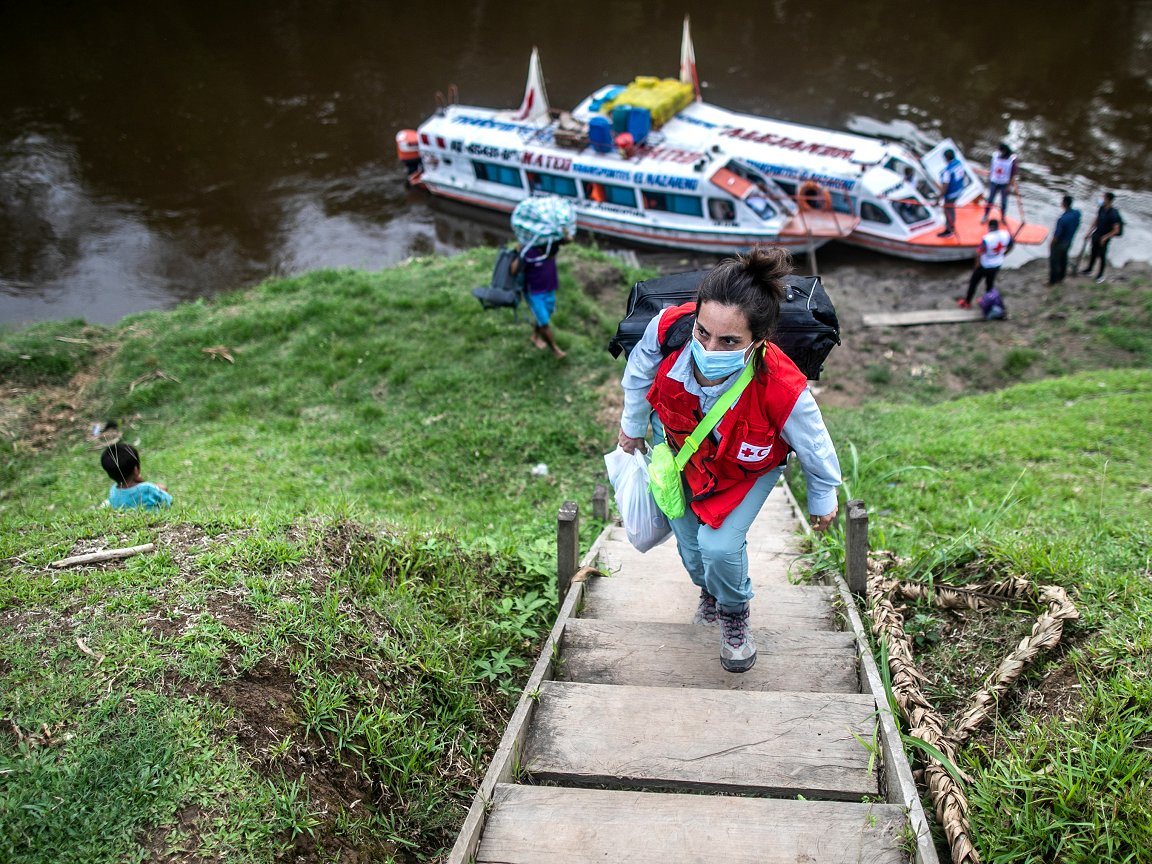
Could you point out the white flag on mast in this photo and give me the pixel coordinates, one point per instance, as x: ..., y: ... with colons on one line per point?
x: 535, y: 102
x: 688, y: 61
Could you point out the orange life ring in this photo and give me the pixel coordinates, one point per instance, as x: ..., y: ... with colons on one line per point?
x: 813, y: 196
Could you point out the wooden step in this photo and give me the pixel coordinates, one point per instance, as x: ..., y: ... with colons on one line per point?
x: 770, y: 560
x: 681, y: 655
x: 672, y: 599
x: 737, y: 742
x: 543, y: 825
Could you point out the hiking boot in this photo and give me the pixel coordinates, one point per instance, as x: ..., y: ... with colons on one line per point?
x: 706, y: 611
x: 737, y: 647
x: 962, y: 303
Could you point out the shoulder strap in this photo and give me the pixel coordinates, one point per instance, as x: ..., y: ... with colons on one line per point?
x: 678, y: 335
x: 729, y: 397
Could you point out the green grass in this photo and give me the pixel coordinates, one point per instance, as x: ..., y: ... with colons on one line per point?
x: 348, y: 593
x: 357, y: 573
x: 1050, y: 481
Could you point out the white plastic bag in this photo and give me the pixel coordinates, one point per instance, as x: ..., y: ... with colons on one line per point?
x: 644, y: 524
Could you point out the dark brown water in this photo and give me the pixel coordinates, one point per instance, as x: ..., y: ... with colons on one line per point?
x: 157, y: 152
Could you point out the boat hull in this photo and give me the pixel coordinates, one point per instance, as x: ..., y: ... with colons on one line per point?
x: 641, y: 231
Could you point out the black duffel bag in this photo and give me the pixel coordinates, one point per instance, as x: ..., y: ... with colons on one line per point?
x: 807, y: 332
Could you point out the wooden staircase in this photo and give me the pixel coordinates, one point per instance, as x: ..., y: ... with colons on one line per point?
x: 632, y: 744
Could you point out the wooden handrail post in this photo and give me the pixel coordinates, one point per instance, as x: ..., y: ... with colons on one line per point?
x: 856, y: 548
x: 567, y: 547
x: 600, y: 503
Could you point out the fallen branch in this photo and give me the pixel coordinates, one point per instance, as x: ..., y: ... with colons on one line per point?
x: 104, y: 555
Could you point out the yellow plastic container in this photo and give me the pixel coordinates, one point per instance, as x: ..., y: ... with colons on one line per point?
x: 663, y: 97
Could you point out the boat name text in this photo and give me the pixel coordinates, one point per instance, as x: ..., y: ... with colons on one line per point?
x: 489, y: 123
x: 789, y: 172
x: 787, y: 143
x: 545, y: 160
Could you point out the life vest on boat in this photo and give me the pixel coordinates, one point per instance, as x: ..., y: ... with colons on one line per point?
x: 719, y: 475
x: 1001, y: 171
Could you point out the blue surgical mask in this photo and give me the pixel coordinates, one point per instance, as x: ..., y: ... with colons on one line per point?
x: 715, y: 365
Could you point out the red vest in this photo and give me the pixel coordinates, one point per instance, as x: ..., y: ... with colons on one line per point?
x: 720, y: 475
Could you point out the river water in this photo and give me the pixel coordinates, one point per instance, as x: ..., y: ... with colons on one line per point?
x: 152, y: 153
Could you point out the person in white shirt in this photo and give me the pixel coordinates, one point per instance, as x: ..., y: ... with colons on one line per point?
x: 1000, y: 177
x: 989, y: 257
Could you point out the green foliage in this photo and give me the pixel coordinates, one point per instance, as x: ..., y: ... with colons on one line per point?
x: 1018, y: 360
x: 48, y: 353
x: 1077, y: 791
x: 1046, y: 480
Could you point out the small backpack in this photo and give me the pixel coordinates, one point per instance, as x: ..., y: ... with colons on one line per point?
x: 807, y: 332
x: 506, y: 288
x: 992, y: 305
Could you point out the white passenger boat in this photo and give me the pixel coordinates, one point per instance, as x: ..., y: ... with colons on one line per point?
x: 652, y: 163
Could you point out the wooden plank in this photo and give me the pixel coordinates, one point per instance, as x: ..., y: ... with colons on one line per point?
x: 758, y: 743
x: 899, y: 786
x: 673, y: 601
x: 771, y: 559
x: 680, y: 655
x: 509, y: 752
x: 922, y: 316
x: 542, y: 825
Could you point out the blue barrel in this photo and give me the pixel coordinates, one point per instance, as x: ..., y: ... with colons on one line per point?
x: 620, y: 118
x: 600, y: 135
x: 639, y: 124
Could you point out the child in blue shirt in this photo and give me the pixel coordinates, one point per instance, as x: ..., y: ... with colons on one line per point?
x: 122, y: 463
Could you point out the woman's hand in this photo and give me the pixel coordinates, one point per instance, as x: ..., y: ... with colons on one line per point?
x: 821, y: 523
x: 631, y: 445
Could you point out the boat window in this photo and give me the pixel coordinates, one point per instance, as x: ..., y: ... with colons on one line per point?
x: 502, y: 174
x: 841, y: 202
x: 609, y: 193
x: 869, y: 212
x: 721, y: 210
x: 760, y: 205
x: 552, y: 183
x: 912, y: 211
x: 670, y: 202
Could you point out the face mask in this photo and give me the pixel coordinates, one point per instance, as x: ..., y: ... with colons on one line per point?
x: 714, y: 365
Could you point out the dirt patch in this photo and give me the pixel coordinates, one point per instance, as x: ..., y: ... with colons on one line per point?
x: 600, y: 280
x: 1042, y: 336
x: 38, y: 418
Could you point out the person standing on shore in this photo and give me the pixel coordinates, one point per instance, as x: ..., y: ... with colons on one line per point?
x: 952, y: 184
x: 1062, y: 235
x: 989, y: 258
x: 1107, y: 225
x: 1000, y: 178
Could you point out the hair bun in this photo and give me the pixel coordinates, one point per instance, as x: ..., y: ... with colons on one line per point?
x: 767, y: 265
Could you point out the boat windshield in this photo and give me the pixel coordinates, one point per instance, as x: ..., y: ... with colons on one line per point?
x: 912, y: 175
x: 912, y: 211
x: 764, y: 198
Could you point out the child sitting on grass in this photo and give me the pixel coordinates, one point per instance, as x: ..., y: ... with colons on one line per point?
x: 122, y: 463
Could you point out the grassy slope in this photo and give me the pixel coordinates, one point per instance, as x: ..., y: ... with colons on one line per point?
x: 374, y: 660
x: 1049, y: 481
x: 276, y: 678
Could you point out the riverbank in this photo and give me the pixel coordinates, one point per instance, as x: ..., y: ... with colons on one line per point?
x: 318, y: 658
